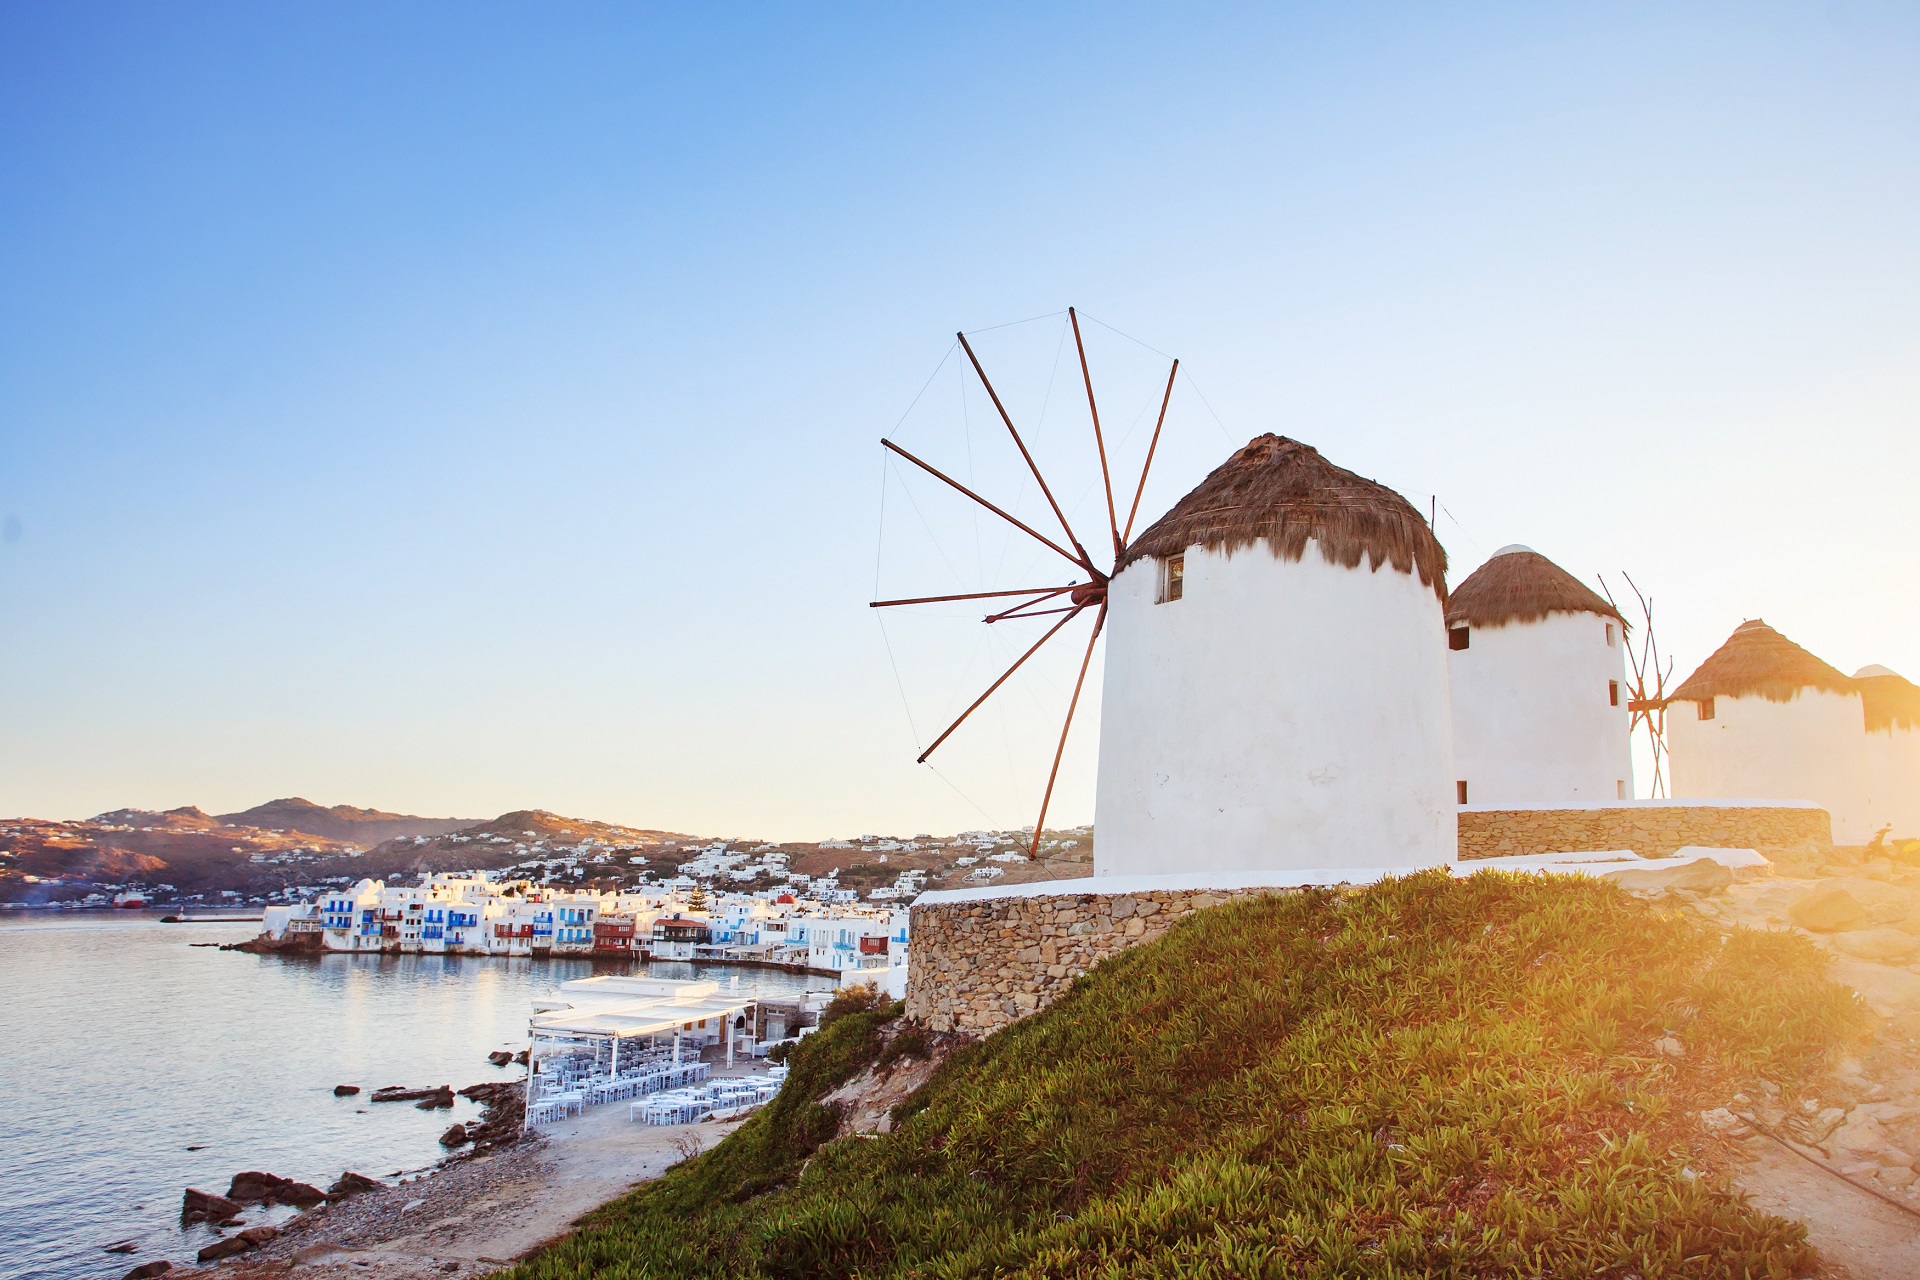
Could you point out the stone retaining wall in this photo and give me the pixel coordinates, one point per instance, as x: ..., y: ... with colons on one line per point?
x: 1652, y: 831
x: 979, y: 965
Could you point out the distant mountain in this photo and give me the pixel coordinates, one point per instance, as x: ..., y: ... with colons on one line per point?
x: 186, y: 818
x: 341, y: 822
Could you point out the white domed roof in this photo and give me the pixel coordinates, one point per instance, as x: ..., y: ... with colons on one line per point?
x: 1512, y: 548
x: 1874, y: 669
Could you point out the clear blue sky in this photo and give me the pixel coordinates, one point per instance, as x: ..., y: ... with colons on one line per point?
x: 453, y: 408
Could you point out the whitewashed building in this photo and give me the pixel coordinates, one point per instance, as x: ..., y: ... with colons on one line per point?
x: 1764, y: 719
x: 1537, y: 665
x: 1276, y: 681
x: 1891, y: 704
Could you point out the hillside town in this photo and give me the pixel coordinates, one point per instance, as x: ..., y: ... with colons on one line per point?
x: 290, y: 851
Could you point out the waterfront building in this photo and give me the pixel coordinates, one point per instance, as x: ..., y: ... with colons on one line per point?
x: 679, y: 937
x: 1276, y: 682
x: 1764, y: 719
x: 1891, y: 705
x: 1536, y: 664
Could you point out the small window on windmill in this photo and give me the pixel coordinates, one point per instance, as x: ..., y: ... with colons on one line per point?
x: 1459, y: 637
x: 1460, y: 791
x: 1609, y: 635
x: 1619, y: 788
x: 1173, y: 577
x: 1705, y: 708
x: 1613, y: 693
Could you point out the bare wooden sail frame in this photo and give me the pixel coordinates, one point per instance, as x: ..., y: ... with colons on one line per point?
x: 1081, y: 596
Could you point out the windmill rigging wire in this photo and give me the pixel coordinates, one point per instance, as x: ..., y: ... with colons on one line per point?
x: 1210, y: 409
x: 931, y: 535
x: 1059, y: 348
x: 880, y: 614
x: 1009, y: 324
x: 951, y: 347
x: 1462, y: 528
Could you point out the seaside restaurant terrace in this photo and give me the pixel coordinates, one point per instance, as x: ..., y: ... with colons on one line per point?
x: 620, y: 1036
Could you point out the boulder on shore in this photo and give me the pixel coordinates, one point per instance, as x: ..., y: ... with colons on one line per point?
x: 204, y: 1206
x: 345, y: 1090
x: 351, y: 1183
x: 148, y: 1270
x: 227, y: 1248
x: 400, y: 1093
x: 255, y: 1187
x: 454, y: 1137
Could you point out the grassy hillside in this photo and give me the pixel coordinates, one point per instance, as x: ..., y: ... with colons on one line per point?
x: 1430, y: 1077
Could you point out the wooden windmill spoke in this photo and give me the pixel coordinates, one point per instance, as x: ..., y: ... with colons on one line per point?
x: 1127, y: 535
x: 1106, y: 479
x: 1044, y: 593
x: 997, y: 683
x: 1038, y: 613
x: 1018, y: 611
x: 1080, y: 559
x: 1099, y: 621
x: 1084, y: 560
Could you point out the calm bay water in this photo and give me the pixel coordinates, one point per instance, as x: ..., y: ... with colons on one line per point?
x: 125, y: 1045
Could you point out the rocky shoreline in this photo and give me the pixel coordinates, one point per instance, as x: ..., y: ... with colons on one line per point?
x: 353, y: 1199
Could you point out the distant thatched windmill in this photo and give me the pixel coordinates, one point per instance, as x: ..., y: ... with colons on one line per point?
x: 1648, y: 705
x: 1069, y: 600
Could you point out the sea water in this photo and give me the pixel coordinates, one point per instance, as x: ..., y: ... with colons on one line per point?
x: 135, y: 1064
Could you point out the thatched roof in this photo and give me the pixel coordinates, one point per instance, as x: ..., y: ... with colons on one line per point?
x: 1283, y: 492
x: 1758, y: 659
x: 1520, y: 585
x: 1892, y: 701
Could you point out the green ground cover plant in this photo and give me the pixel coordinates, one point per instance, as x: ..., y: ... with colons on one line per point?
x: 1434, y: 1076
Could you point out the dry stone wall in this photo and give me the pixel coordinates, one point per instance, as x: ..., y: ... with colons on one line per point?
x: 979, y: 965
x: 1652, y: 831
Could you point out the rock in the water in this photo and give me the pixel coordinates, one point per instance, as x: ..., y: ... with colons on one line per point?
x: 345, y: 1090
x: 1885, y: 945
x: 303, y: 1195
x: 454, y: 1137
x: 400, y: 1093
x: 351, y: 1183
x: 500, y: 1057
x: 522, y: 1056
x: 1702, y: 875
x: 227, y: 1248
x: 254, y: 1187
x: 125, y: 1246
x: 202, y: 1206
x: 442, y: 1097
x: 148, y: 1270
